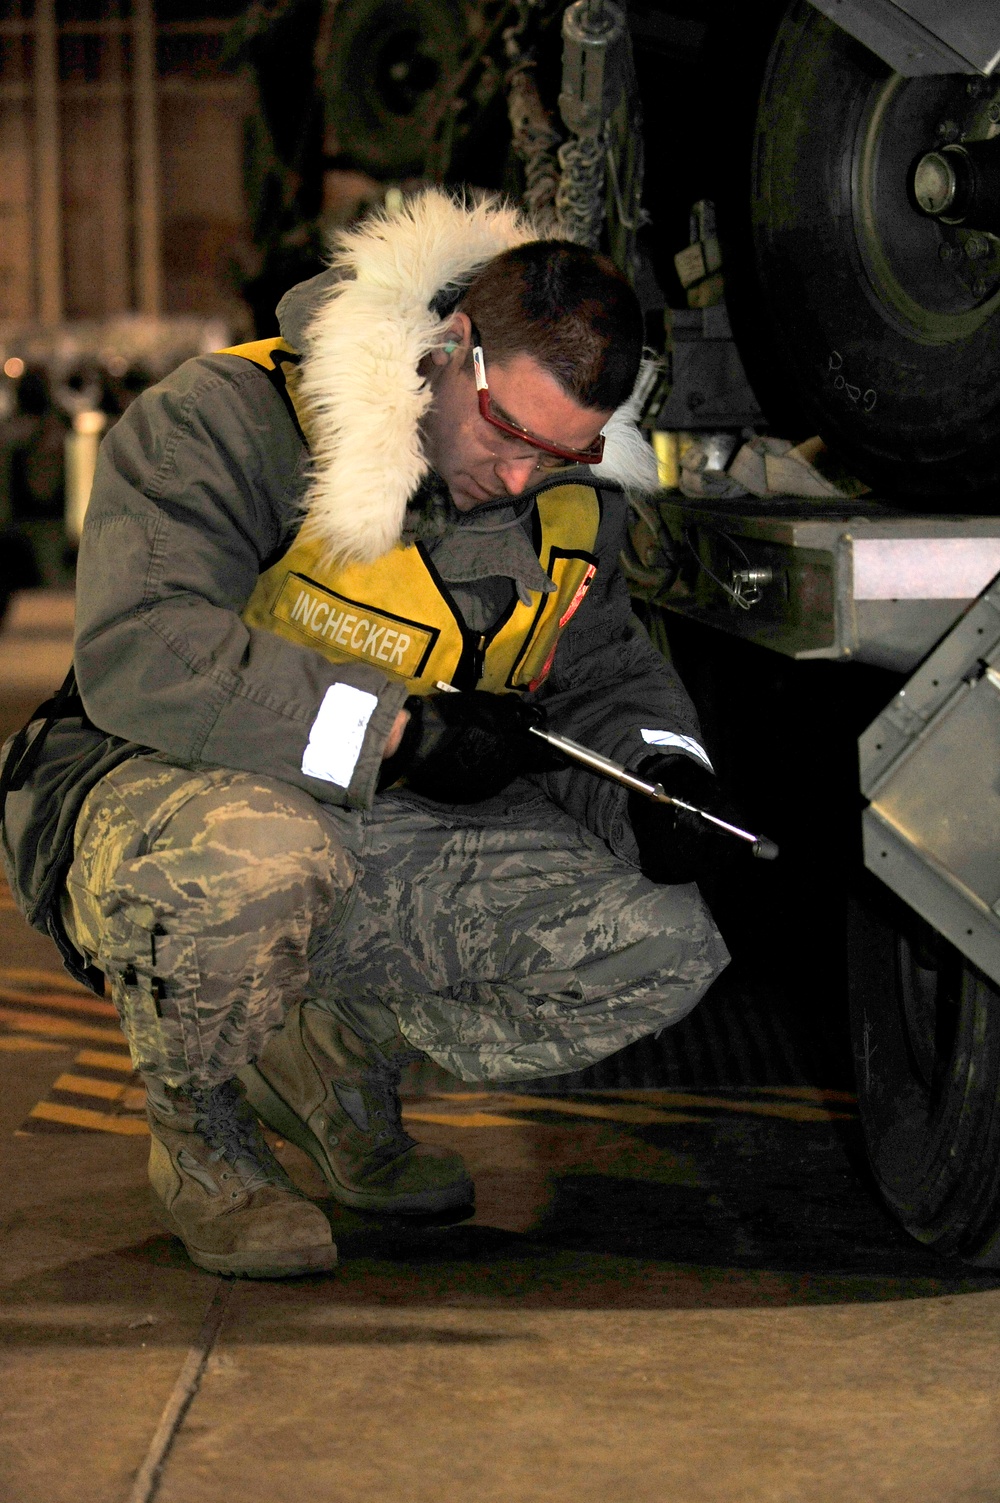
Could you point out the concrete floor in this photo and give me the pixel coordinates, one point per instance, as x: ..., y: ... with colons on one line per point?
x: 685, y: 1295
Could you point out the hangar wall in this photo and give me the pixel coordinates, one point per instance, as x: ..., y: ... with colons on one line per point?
x: 121, y: 140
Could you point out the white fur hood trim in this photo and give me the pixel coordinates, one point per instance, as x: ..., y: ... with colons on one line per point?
x: 359, y: 379
x: 628, y: 457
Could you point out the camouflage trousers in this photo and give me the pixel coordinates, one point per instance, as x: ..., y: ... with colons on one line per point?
x: 506, y: 940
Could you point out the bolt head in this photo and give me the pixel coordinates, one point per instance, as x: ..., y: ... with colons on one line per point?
x: 946, y: 251
x: 993, y: 114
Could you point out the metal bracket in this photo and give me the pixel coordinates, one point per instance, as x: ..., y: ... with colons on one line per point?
x: 922, y: 37
x: 929, y: 764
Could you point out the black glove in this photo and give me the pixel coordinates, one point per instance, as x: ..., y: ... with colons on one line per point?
x: 675, y: 846
x: 462, y: 748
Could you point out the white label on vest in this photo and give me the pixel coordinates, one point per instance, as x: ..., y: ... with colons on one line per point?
x: 325, y: 619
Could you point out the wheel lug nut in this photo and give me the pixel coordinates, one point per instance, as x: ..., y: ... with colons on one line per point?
x: 976, y: 247
x: 946, y: 251
x: 993, y: 114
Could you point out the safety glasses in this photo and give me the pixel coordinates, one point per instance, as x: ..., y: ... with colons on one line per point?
x: 496, y: 419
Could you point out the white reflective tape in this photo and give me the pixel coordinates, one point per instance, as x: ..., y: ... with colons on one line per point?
x: 672, y: 741
x: 337, y: 734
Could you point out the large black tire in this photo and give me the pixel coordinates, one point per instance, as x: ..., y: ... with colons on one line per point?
x: 386, y: 77
x: 860, y: 318
x: 926, y: 1033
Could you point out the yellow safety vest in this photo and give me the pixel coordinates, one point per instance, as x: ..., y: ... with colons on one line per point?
x: 397, y: 613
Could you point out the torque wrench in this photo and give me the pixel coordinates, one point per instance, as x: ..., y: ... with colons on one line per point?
x: 762, y: 847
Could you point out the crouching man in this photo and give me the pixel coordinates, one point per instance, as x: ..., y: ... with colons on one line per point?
x: 301, y: 859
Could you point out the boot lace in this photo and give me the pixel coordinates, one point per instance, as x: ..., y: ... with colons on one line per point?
x: 226, y: 1123
x: 385, y: 1078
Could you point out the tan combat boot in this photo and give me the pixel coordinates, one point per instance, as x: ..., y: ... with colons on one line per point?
x: 337, y: 1097
x: 224, y: 1193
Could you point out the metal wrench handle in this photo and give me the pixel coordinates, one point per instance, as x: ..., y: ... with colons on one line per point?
x: 763, y: 848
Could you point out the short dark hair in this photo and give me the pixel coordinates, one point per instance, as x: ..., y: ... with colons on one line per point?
x: 567, y: 307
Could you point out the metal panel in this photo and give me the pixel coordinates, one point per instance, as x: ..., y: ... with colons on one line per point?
x: 971, y: 27
x: 930, y: 764
x: 976, y: 639
x: 956, y: 568
x: 920, y: 37
x: 931, y: 892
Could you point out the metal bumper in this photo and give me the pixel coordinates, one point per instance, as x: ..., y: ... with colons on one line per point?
x: 865, y: 583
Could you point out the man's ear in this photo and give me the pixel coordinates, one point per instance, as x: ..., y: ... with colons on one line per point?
x: 455, y: 343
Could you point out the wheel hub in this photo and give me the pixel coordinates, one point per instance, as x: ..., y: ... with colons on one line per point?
x: 960, y: 184
x: 935, y: 183
x: 404, y: 74
x: 384, y: 77
x: 925, y: 228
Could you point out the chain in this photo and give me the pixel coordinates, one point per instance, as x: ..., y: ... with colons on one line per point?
x: 535, y: 139
x: 580, y: 197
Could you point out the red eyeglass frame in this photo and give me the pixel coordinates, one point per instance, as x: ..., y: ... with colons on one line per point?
x: 593, y: 455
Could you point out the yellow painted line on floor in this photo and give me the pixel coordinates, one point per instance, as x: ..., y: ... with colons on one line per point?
x: 81, y: 1116
x: 641, y: 1116
x: 90, y: 1007
x: 86, y: 1085
x: 132, y: 1098
x: 649, y: 1115
x: 496, y: 1119
x: 467, y: 1119
x: 17, y: 1044
x: 791, y: 1111
x: 22, y: 975
x: 636, y: 1115
x: 103, y: 1059
x: 63, y: 1028
x: 809, y: 1093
